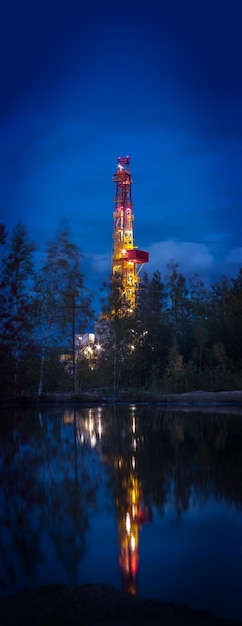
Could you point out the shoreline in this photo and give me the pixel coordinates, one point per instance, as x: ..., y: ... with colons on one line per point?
x: 98, y: 604
x: 197, y: 398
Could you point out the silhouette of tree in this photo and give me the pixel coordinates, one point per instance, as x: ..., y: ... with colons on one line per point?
x: 59, y: 279
x: 16, y: 302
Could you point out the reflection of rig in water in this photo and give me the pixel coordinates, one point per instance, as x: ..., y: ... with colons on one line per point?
x: 131, y: 511
x: 132, y: 514
x: 128, y: 533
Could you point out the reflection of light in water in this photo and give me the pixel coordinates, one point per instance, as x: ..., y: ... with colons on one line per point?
x: 133, y: 496
x: 68, y: 417
x: 133, y: 425
x: 91, y: 429
x: 134, y: 444
x: 88, y: 430
x: 132, y: 542
x: 128, y: 523
x: 93, y: 439
x: 133, y: 462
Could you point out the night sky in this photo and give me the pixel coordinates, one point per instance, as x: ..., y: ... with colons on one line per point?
x: 84, y: 83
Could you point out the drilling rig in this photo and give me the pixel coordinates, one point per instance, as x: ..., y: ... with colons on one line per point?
x: 127, y: 260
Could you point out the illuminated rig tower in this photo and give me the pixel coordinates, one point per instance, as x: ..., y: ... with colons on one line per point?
x: 127, y: 260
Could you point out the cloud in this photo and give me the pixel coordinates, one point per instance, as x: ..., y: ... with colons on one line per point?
x: 191, y: 257
x: 217, y: 237
x: 234, y: 256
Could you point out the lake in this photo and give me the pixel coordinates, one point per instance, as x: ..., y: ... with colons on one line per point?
x: 145, y: 498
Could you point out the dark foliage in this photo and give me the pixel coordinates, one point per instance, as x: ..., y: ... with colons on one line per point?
x: 182, y: 336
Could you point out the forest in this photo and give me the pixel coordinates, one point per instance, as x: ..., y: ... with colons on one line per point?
x: 182, y: 336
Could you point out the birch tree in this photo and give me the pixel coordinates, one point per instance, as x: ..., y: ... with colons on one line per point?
x: 61, y: 296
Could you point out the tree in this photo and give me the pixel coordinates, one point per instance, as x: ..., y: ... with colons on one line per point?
x: 153, y: 331
x: 233, y: 320
x: 3, y: 234
x: 16, y: 305
x: 218, y: 310
x: 117, y: 333
x: 117, y: 326
x: 179, y: 309
x: 62, y: 302
x: 199, y: 298
x: 175, y: 371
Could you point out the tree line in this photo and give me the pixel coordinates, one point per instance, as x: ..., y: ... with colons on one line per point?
x: 35, y: 307
x: 183, y: 335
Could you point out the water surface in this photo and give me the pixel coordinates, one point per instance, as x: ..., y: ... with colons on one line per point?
x: 144, y: 498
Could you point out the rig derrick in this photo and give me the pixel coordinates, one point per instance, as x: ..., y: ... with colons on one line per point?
x: 127, y: 260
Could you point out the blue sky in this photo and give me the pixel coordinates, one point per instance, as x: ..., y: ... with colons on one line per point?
x: 84, y: 83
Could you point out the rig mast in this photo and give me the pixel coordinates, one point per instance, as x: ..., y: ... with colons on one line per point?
x: 127, y: 260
